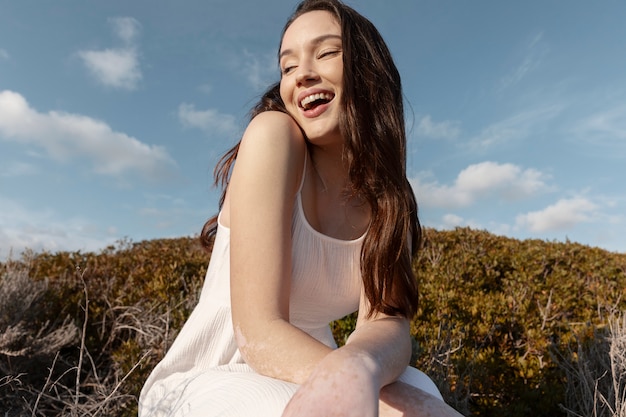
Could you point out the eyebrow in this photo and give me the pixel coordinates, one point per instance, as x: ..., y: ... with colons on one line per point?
x: 315, y: 41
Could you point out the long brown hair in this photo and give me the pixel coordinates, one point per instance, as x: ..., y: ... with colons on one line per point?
x: 375, y: 149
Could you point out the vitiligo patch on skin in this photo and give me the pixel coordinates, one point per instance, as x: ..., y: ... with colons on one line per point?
x: 240, y: 338
x: 262, y: 357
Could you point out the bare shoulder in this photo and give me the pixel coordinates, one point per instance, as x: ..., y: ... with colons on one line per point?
x: 272, y: 146
x: 274, y: 126
x: 269, y: 165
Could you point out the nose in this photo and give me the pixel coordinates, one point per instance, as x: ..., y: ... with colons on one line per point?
x: 305, y: 74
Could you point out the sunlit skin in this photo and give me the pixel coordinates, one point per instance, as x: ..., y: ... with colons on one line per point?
x: 311, y: 61
x: 257, y: 209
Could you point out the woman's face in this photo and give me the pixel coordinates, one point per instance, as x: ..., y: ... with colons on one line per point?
x: 311, y: 63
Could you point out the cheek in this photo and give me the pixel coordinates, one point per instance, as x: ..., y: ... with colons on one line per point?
x: 284, y: 94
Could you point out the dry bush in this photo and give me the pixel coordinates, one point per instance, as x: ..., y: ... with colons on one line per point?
x: 28, y: 344
x: 596, y: 377
x: 436, y: 360
x: 22, y: 333
x: 494, y: 313
x: 616, y: 398
x: 80, y: 332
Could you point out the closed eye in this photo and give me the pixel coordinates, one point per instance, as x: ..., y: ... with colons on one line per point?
x: 287, y: 70
x: 327, y: 54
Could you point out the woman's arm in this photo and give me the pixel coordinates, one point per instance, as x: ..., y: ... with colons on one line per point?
x: 385, y: 339
x: 357, y: 380
x: 258, y: 209
x: 347, y: 382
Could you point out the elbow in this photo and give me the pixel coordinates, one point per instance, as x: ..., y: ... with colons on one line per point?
x: 249, y: 350
x: 256, y: 349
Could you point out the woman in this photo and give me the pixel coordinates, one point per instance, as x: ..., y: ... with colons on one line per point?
x: 317, y: 220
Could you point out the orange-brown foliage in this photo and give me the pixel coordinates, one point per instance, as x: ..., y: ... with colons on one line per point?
x: 498, y: 318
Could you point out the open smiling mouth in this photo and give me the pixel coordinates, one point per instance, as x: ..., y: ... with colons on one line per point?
x: 315, y: 100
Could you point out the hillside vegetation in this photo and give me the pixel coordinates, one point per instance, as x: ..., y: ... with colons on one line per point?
x: 505, y: 327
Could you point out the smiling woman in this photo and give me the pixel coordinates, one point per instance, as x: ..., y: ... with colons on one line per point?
x: 311, y: 62
x: 317, y: 220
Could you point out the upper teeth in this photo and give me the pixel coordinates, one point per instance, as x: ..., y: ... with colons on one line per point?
x: 319, y: 96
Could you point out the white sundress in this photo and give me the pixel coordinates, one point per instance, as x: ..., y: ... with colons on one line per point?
x: 203, y: 373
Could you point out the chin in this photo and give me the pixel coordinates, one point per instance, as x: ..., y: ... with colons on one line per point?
x: 323, y: 136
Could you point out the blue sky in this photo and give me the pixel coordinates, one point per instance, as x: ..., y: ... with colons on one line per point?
x: 113, y: 114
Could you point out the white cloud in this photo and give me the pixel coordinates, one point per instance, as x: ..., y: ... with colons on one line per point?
x: 206, y: 89
x: 441, y: 130
x: 609, y: 125
x: 563, y: 215
x: 514, y: 128
x: 65, y: 136
x: 17, y: 169
x: 24, y: 228
x: 533, y: 54
x: 452, y: 220
x: 507, y: 179
x: 125, y: 28
x: 4, y: 54
x: 210, y: 121
x: 118, y: 68
x: 260, y: 70
x: 479, y: 181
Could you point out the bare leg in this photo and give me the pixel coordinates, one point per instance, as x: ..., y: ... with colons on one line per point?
x: 404, y: 400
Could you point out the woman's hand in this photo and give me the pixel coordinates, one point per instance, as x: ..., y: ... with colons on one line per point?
x: 344, y: 384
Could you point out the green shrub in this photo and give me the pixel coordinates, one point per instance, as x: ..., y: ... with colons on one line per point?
x: 499, y: 324
x: 510, y: 306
